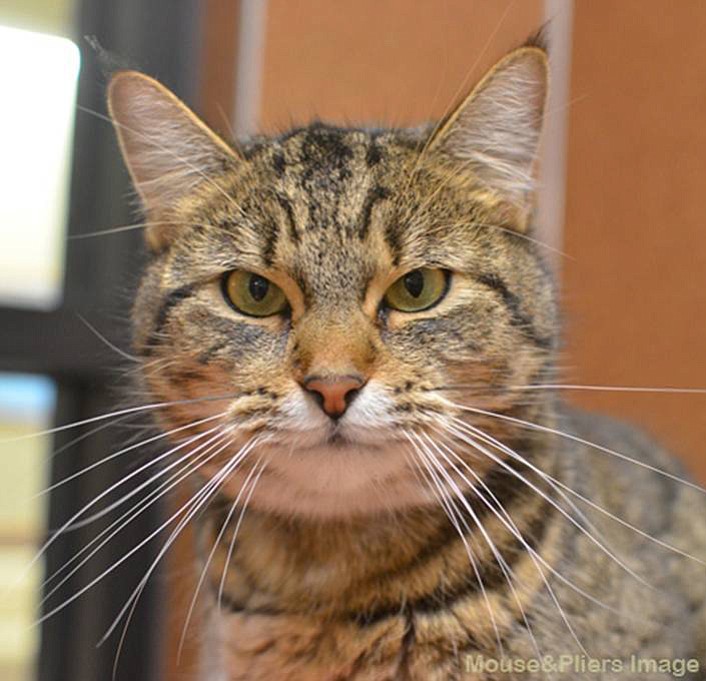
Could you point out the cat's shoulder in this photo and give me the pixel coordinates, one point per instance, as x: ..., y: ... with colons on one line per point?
x: 632, y: 472
x: 626, y: 443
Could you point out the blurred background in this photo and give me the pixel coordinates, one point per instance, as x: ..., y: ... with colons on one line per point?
x: 622, y: 213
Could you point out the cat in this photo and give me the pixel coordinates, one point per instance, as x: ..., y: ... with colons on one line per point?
x: 350, y: 330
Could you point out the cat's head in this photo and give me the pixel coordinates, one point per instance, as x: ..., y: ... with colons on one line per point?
x: 333, y: 294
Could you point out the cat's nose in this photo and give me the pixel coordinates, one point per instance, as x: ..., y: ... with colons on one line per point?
x: 334, y: 394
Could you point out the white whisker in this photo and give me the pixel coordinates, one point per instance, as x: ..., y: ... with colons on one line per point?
x: 106, y: 342
x: 121, y: 560
x: 512, y: 527
x: 544, y: 495
x: 131, y: 448
x: 611, y: 388
x: 120, y: 412
x: 197, y: 502
x: 580, y: 440
x: 231, y: 546
x: 107, y: 491
x: 437, y: 447
x: 133, y: 513
x: 240, y: 456
x: 556, y: 483
x: 454, y: 516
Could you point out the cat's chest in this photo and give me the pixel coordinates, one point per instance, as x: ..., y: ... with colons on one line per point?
x: 263, y: 647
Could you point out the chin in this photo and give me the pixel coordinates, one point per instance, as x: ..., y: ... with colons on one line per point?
x: 335, y: 479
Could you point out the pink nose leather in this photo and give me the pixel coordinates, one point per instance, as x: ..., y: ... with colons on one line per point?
x: 334, y: 394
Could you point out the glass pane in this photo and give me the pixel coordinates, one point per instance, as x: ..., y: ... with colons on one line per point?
x: 26, y: 407
x: 38, y: 84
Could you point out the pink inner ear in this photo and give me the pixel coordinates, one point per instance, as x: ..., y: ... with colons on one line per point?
x: 166, y: 147
x: 496, y: 130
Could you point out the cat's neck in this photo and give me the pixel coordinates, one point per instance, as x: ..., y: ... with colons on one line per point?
x: 346, y: 566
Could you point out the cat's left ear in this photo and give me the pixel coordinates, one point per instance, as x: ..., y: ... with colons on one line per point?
x: 168, y: 150
x: 494, y: 132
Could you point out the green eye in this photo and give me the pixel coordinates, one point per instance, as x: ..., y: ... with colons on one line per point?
x: 253, y: 295
x: 417, y: 290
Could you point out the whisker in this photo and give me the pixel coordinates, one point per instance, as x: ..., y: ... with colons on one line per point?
x: 517, y: 532
x: 508, y: 572
x: 231, y: 546
x: 512, y: 527
x: 133, y: 513
x: 580, y: 440
x: 241, y: 455
x: 115, y: 565
x: 136, y: 597
x: 197, y: 502
x: 108, y: 343
x: 573, y: 586
x: 556, y: 482
x: 496, y: 444
x: 120, y: 412
x: 116, y: 504
x: 128, y: 228
x: 88, y: 434
x: 106, y: 492
x: 131, y: 448
x: 453, y: 514
x: 614, y: 388
x: 592, y: 388
x: 544, y: 495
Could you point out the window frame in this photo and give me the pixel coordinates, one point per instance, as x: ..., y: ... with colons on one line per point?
x: 164, y: 39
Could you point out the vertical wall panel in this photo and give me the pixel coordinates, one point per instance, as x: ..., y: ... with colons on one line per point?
x: 636, y: 213
x: 391, y: 61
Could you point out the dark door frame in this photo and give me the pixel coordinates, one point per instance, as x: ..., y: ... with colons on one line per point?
x: 161, y: 37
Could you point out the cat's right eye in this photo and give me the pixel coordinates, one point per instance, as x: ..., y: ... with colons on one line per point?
x: 252, y: 294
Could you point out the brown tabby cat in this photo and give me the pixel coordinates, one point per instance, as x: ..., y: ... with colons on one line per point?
x: 353, y: 330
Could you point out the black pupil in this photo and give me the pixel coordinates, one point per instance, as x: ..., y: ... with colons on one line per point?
x: 414, y: 283
x: 258, y: 287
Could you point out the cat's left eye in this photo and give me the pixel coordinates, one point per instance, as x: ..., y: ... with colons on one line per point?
x: 253, y: 294
x: 417, y: 290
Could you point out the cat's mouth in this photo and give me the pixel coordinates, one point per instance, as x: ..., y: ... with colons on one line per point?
x: 337, y: 439
x: 334, y: 437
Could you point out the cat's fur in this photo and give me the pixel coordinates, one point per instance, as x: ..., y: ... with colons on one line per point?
x: 346, y: 564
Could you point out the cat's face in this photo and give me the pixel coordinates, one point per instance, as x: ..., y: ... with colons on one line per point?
x: 332, y: 292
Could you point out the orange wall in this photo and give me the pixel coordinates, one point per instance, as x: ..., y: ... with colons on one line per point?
x: 389, y: 61
x: 635, y: 295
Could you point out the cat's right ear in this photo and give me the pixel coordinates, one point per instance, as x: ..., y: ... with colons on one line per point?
x: 167, y: 148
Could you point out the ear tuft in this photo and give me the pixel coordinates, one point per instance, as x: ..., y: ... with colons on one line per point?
x: 495, y: 131
x: 168, y: 150
x: 540, y: 38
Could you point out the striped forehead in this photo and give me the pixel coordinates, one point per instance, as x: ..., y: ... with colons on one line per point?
x: 328, y: 185
x: 327, y: 176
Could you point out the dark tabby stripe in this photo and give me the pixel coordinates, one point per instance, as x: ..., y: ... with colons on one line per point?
x: 491, y: 575
x: 509, y: 493
x: 375, y: 195
x: 286, y: 206
x: 512, y: 303
x: 171, y: 300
